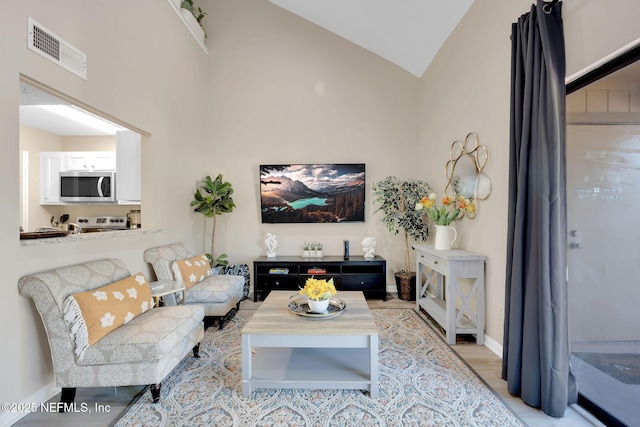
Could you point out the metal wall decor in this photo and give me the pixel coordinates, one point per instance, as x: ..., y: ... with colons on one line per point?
x: 465, y: 172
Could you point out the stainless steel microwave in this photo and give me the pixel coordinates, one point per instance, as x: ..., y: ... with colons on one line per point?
x: 91, y: 187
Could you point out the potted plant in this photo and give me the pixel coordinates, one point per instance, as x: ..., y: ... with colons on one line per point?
x: 197, y: 13
x: 397, y: 200
x: 306, y: 247
x: 319, y: 247
x: 219, y: 264
x: 318, y: 293
x: 450, y: 210
x: 215, y: 199
x: 191, y: 11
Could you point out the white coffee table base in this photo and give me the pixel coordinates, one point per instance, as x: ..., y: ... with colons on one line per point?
x: 331, y: 363
x: 294, y: 352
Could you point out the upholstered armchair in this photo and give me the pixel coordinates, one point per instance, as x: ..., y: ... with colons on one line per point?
x: 219, y: 295
x: 141, y: 351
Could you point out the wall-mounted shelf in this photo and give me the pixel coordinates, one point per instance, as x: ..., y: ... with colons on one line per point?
x: 190, y: 22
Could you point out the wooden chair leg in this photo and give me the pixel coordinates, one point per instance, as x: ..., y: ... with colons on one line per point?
x: 155, y: 392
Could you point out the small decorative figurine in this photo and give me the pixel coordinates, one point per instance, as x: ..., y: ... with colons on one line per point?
x: 369, y: 246
x: 271, y: 241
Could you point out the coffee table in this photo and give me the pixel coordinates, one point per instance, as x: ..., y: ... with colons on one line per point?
x: 293, y: 351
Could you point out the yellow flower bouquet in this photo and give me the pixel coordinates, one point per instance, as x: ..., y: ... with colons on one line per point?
x: 318, y: 289
x: 450, y: 210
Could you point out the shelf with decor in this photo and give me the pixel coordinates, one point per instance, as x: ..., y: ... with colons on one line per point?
x: 290, y: 273
x: 190, y: 22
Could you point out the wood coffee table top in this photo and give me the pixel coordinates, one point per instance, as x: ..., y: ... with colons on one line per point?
x: 273, y: 317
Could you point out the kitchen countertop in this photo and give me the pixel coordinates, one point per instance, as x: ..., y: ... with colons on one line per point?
x: 88, y: 236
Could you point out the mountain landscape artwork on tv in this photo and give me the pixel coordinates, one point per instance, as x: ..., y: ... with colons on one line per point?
x: 304, y: 193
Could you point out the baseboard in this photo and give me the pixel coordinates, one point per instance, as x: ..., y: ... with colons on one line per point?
x: 489, y: 342
x: 493, y: 345
x: 40, y: 396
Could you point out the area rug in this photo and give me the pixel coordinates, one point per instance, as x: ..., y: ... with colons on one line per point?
x: 422, y: 383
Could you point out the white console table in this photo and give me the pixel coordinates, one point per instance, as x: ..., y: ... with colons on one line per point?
x: 439, y: 290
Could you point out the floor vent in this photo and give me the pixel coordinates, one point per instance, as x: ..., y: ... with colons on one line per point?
x: 52, y: 47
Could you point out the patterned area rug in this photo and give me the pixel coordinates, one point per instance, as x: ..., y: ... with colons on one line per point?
x: 422, y: 383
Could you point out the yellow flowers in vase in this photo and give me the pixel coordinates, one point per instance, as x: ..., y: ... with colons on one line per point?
x: 450, y: 210
x: 318, y: 289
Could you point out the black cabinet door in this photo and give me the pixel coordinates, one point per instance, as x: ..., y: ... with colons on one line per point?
x: 275, y: 282
x: 362, y: 282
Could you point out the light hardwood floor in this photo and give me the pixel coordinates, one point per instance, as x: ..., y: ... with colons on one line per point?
x: 480, y: 358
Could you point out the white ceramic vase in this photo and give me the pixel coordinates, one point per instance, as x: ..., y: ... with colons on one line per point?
x: 318, y: 306
x: 445, y: 237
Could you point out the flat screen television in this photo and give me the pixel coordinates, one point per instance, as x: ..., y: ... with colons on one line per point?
x: 312, y: 193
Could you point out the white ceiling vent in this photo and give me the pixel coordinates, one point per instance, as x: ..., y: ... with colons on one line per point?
x: 52, y: 47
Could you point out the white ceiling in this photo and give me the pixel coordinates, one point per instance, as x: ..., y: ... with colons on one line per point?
x: 38, y: 118
x: 407, y: 33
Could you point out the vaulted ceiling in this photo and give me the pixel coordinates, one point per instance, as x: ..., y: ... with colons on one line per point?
x: 408, y: 33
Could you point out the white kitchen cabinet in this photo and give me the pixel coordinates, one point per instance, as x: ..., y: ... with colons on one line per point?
x: 89, y: 160
x: 51, y: 164
x: 129, y: 170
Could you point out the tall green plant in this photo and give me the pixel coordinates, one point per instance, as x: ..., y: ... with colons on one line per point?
x: 397, y: 199
x: 213, y: 198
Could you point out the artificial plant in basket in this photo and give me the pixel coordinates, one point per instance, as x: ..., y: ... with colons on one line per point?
x: 211, y: 199
x: 397, y: 200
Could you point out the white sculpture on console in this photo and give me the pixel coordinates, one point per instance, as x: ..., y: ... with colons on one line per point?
x: 369, y: 246
x: 271, y: 242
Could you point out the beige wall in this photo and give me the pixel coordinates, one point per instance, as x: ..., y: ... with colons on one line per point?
x: 285, y: 91
x: 274, y: 88
x: 88, y: 143
x: 466, y: 89
x: 33, y: 141
x: 152, y: 83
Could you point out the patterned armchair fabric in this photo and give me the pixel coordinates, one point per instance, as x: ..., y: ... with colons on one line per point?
x: 240, y: 270
x: 217, y: 294
x: 140, y: 352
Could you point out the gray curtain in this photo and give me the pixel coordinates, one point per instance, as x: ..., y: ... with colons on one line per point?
x: 535, y: 347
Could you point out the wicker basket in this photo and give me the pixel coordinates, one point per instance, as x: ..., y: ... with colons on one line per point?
x: 406, y: 285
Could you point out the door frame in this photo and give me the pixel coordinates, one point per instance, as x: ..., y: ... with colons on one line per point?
x: 602, y: 68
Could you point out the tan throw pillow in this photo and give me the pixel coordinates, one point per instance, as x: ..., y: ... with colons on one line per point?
x: 192, y: 270
x: 93, y: 314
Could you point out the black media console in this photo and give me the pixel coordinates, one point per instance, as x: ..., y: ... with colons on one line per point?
x: 290, y: 273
